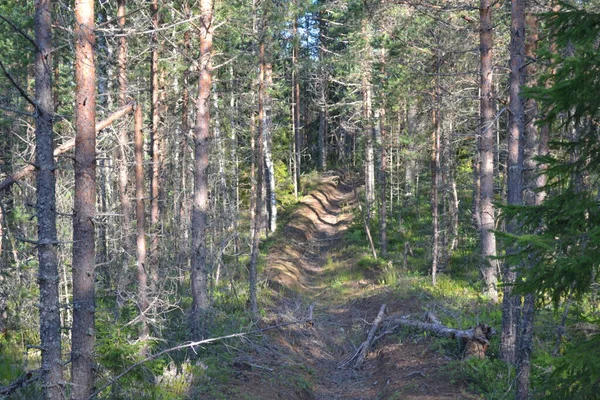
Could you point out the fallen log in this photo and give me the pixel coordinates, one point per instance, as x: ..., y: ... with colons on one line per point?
x: 363, y: 349
x: 476, y: 340
x: 66, y: 146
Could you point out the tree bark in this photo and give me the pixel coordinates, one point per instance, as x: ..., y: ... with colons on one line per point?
x: 367, y: 120
x: 489, y: 266
x: 296, y: 106
x: 50, y: 335
x: 258, y: 186
x: 323, y: 86
x: 383, y: 184
x: 511, y: 303
x: 123, y: 142
x: 268, y: 147
x: 154, y: 150
x: 202, y: 137
x: 435, y: 177
x: 142, y: 278
x: 531, y: 150
x: 83, y: 331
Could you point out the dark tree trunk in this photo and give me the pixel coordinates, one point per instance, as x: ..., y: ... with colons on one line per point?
x: 83, y: 331
x: 50, y: 335
x: 510, y: 302
x: 258, y: 156
x: 202, y: 137
x: 532, y: 146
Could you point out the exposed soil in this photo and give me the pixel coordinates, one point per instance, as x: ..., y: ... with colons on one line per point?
x: 301, y: 361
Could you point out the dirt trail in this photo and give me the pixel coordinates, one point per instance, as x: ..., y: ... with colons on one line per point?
x: 301, y: 361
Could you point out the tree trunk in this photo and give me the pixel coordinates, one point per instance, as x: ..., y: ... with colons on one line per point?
x: 268, y: 150
x: 154, y: 150
x: 202, y: 137
x: 296, y: 106
x: 323, y: 84
x: 367, y: 123
x: 382, y: 184
x: 123, y: 142
x: 489, y: 266
x: 511, y: 303
x: 142, y: 278
x: 410, y: 167
x: 48, y: 278
x: 258, y: 156
x: 435, y: 178
x: 530, y: 197
x: 84, y: 209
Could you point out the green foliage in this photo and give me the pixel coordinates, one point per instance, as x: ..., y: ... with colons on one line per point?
x: 13, y: 365
x: 560, y: 239
x: 491, y: 378
x: 576, y: 372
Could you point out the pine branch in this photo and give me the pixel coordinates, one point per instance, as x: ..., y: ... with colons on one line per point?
x: 16, y: 85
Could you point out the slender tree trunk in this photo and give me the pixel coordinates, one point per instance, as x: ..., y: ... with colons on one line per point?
x: 236, y: 174
x: 258, y: 186
x: 202, y: 137
x: 83, y: 331
x: 511, y: 303
x: 383, y: 185
x: 296, y: 106
x: 410, y: 167
x: 154, y: 150
x: 489, y: 266
x: 268, y: 149
x: 142, y: 278
x: 531, y: 148
x: 48, y: 278
x: 435, y: 182
x: 323, y: 84
x: 122, y: 150
x: 181, y: 181
x: 368, y: 128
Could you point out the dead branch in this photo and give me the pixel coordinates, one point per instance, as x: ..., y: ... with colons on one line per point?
x: 363, y: 349
x: 66, y: 146
x: 476, y: 339
x: 191, y: 345
x: 24, y: 380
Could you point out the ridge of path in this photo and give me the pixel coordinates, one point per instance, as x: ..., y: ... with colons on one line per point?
x: 301, y: 361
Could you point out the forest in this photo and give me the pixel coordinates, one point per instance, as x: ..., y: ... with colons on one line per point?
x: 302, y: 199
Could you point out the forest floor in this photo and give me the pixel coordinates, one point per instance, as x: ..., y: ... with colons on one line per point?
x: 308, y: 265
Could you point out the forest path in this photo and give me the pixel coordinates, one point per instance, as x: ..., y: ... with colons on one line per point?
x: 309, y: 265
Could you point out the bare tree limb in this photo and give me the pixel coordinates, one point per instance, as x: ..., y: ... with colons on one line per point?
x: 66, y: 146
x: 16, y: 85
x: 19, y: 30
x: 186, y: 346
x: 22, y: 381
x: 363, y: 349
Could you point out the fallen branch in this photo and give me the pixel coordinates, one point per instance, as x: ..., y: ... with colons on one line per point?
x: 186, y: 346
x: 363, y: 349
x: 66, y: 146
x: 476, y: 339
x: 22, y: 381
